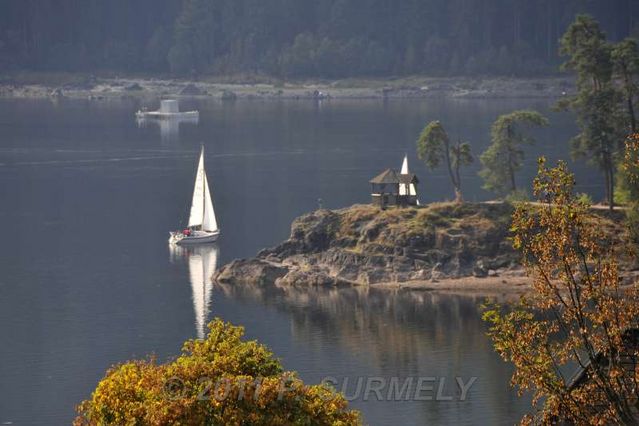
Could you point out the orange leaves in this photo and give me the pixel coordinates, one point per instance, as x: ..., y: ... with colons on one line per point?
x: 630, y: 165
x: 577, y: 315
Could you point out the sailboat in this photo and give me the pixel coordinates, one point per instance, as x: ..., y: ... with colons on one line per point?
x: 202, y: 227
x: 407, y: 189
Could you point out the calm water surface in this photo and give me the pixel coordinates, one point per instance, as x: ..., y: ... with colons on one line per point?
x: 87, y: 198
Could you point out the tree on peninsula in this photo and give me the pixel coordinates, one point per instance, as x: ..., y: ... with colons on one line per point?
x: 598, y: 101
x: 504, y: 157
x: 434, y: 148
x: 629, y: 186
x: 625, y: 63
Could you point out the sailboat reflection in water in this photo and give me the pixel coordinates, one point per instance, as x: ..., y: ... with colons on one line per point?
x: 202, y: 262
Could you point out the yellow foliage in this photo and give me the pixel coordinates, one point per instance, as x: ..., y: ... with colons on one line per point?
x: 222, y: 380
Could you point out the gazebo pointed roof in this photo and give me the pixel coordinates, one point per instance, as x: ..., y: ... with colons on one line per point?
x: 387, y: 176
x: 408, y: 178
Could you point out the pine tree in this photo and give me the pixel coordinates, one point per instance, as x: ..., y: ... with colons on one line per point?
x: 434, y: 147
x: 597, y: 100
x: 505, y: 156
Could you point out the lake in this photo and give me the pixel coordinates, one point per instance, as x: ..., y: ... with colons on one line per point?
x: 88, y: 196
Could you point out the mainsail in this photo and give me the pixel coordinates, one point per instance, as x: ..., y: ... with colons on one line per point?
x: 411, y: 188
x: 202, y: 213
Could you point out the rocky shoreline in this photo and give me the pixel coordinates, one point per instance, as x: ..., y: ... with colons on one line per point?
x: 363, y: 245
x: 97, y: 88
x: 441, y: 246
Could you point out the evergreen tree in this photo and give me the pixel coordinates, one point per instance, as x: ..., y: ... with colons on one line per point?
x: 195, y: 35
x: 625, y: 60
x: 434, y: 147
x: 597, y: 100
x: 504, y: 157
x: 368, y: 37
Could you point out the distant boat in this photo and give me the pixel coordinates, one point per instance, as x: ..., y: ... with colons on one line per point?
x: 169, y: 109
x: 168, y: 118
x: 202, y: 227
x: 410, y: 188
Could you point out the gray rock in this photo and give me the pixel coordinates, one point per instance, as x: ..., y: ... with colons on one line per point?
x: 348, y: 272
x: 480, y: 270
x: 420, y: 264
x: 57, y: 93
x: 436, y: 272
x: 315, y: 231
x: 374, y: 276
x: 421, y: 274
x: 133, y: 87
x: 252, y: 271
x: 192, y: 90
x: 228, y: 95
x: 310, y: 278
x: 516, y: 272
x: 320, y: 95
x: 273, y: 259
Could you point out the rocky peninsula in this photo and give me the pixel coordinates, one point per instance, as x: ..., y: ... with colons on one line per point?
x: 438, y: 246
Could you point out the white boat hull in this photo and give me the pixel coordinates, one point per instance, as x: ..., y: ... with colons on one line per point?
x: 167, y: 115
x: 197, y: 237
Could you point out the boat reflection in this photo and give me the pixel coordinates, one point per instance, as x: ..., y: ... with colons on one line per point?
x: 202, y: 262
x: 169, y: 127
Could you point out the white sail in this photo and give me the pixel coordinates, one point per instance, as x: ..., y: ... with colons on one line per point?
x: 202, y: 213
x: 411, y: 188
x: 404, y: 171
x: 405, y: 165
x: 209, y: 223
x: 202, y: 264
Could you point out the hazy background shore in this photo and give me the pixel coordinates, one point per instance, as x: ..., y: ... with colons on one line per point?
x: 74, y: 85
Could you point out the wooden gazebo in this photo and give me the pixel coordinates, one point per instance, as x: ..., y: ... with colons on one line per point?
x: 390, y: 188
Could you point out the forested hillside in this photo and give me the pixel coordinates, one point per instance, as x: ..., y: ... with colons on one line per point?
x: 298, y: 38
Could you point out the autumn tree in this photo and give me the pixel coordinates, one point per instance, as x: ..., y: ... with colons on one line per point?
x: 505, y: 156
x: 434, y: 148
x: 629, y: 185
x: 222, y: 380
x: 629, y: 170
x: 577, y: 313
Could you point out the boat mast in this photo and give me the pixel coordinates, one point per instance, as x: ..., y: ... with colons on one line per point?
x: 203, y: 189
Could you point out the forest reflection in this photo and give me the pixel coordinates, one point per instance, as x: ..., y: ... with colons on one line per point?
x: 397, y: 327
x: 350, y: 333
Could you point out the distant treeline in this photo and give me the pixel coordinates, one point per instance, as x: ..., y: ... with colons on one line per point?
x: 298, y: 38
